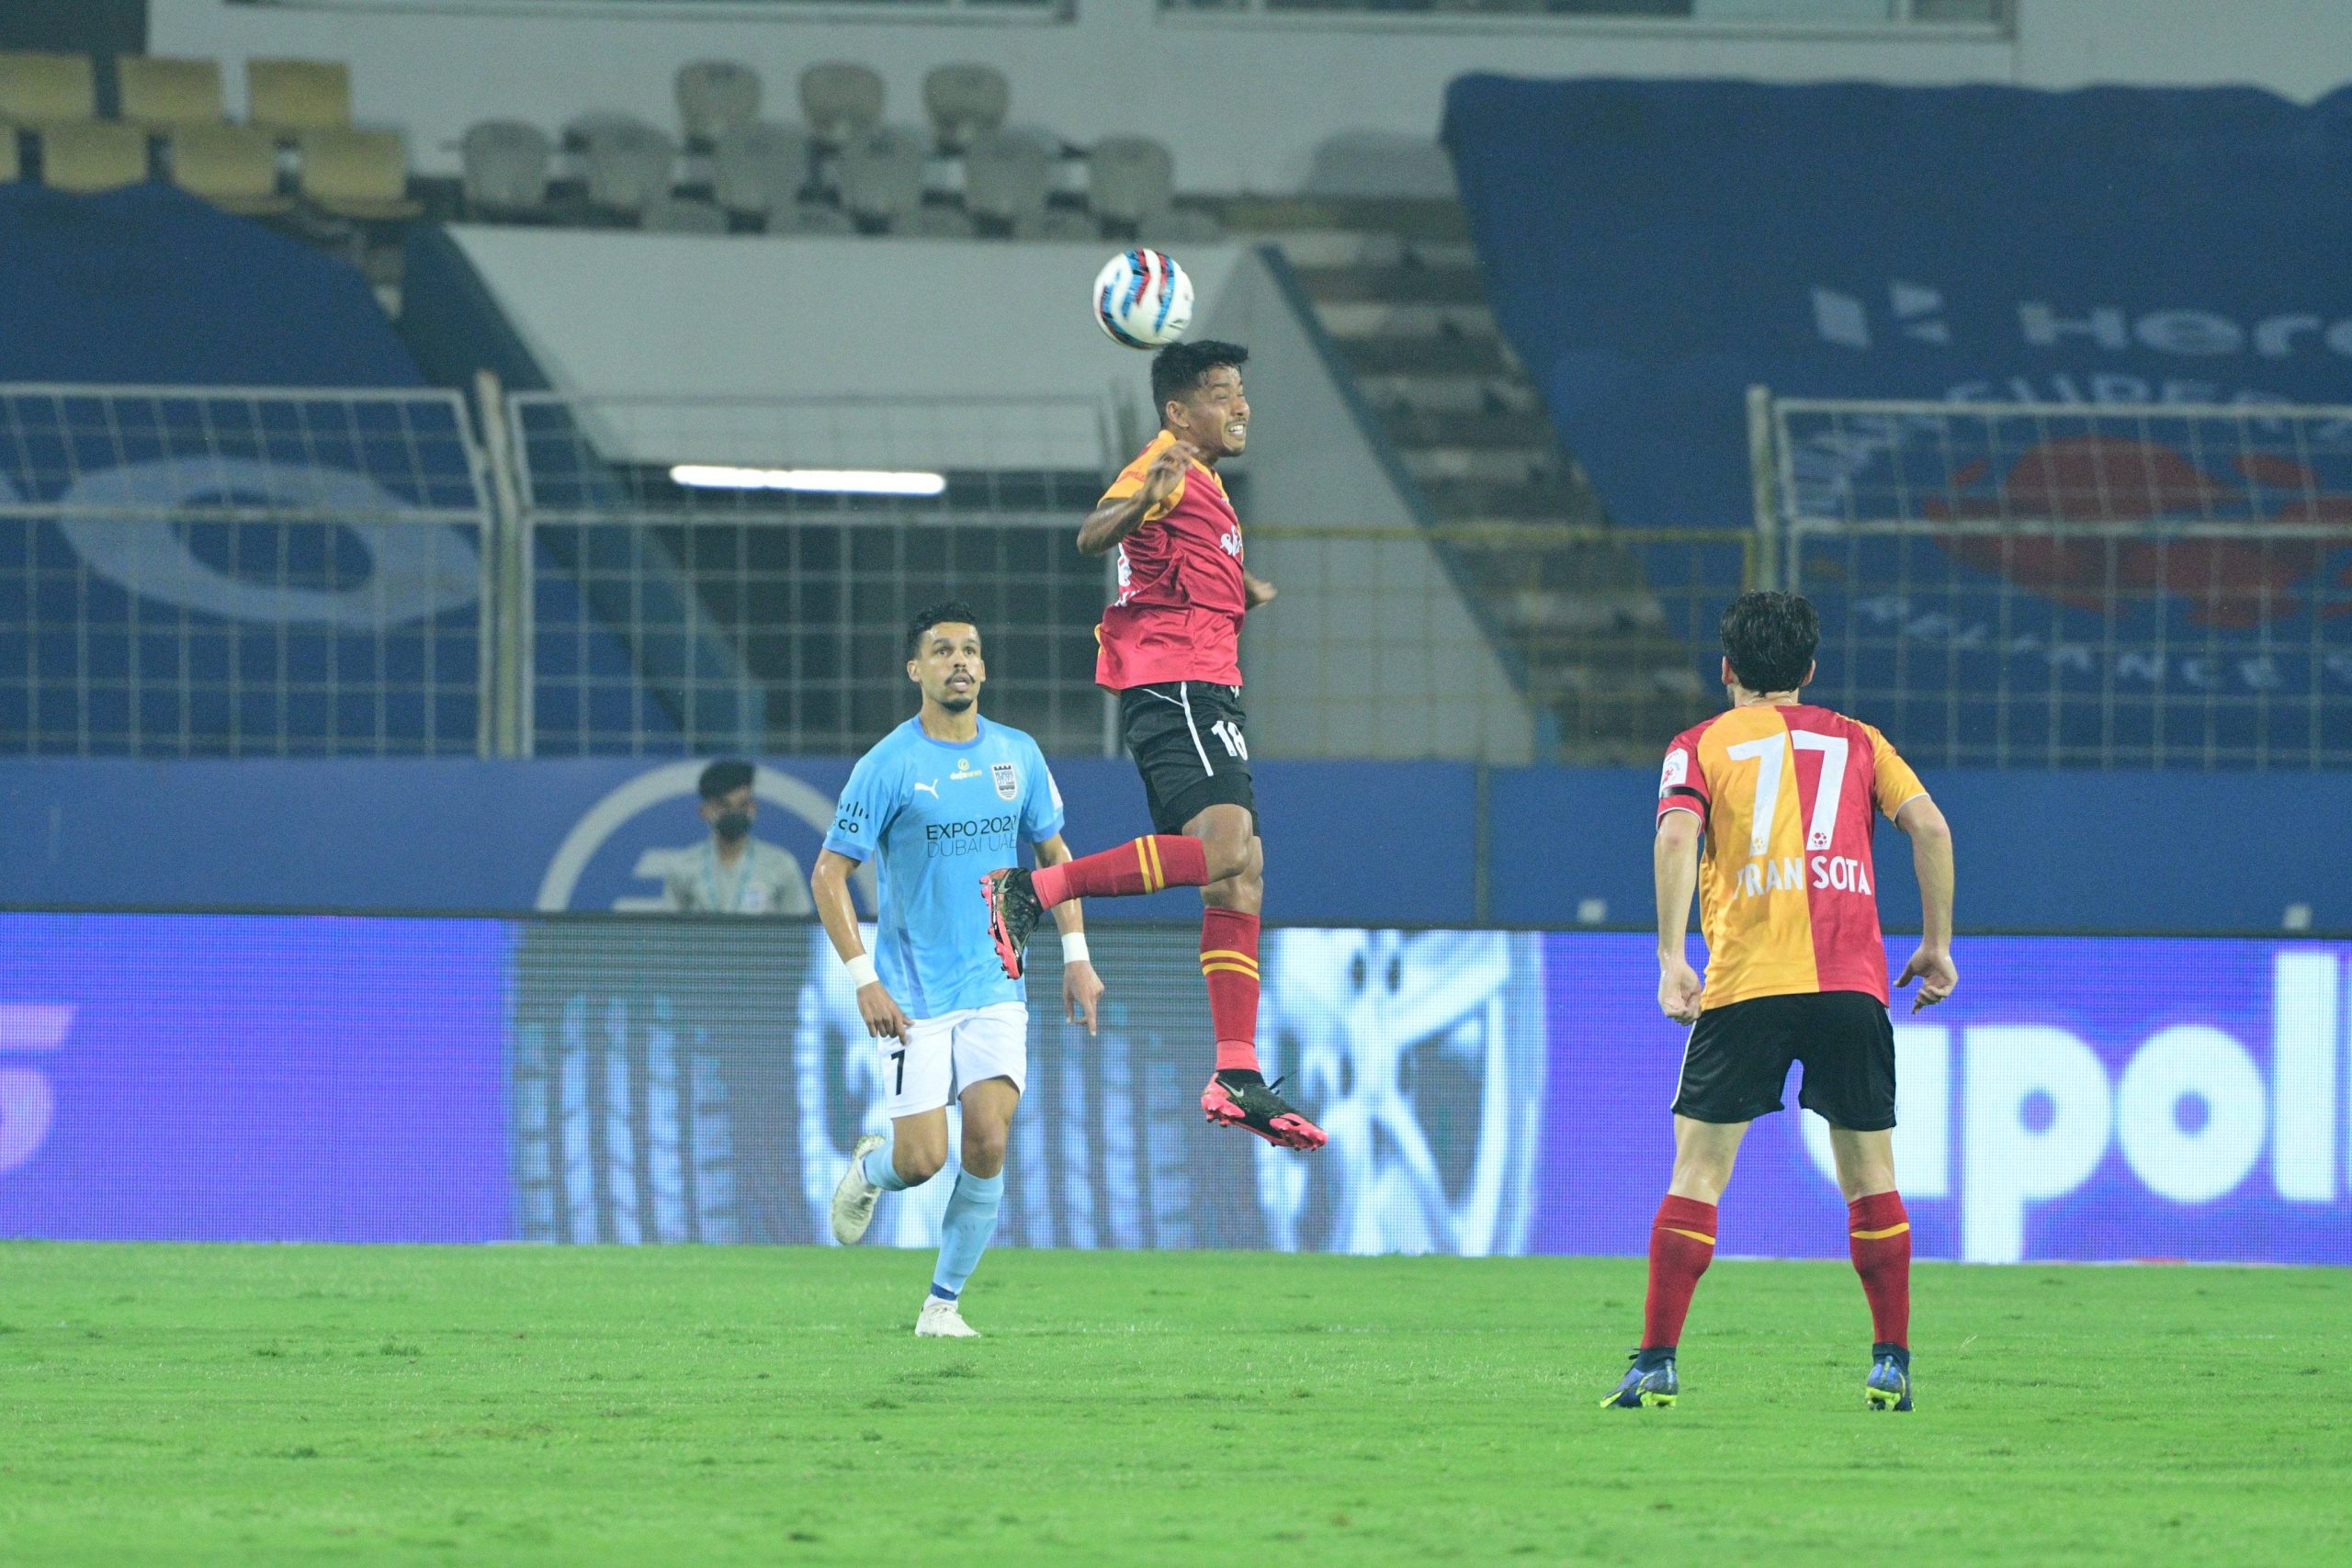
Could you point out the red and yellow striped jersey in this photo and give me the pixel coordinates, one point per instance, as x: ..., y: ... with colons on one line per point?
x: 1787, y: 898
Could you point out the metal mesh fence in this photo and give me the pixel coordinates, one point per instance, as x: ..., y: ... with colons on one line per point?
x: 1599, y: 631
x: 238, y: 572
x: 737, y: 574
x: 2022, y: 585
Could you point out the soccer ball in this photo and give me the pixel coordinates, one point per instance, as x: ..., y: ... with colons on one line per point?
x: 1143, y: 299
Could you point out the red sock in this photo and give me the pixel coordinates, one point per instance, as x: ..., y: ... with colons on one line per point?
x: 1229, y: 963
x: 1682, y: 1243
x: 1143, y: 865
x: 1878, y: 1232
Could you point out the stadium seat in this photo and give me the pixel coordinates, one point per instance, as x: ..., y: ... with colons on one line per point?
x: 357, y: 173
x: 1007, y: 178
x: 162, y: 90
x: 881, y: 176
x: 629, y: 164
x: 12, y: 164
x: 715, y: 97
x: 760, y: 167
x: 506, y: 165
x: 39, y: 88
x: 841, y: 100
x: 964, y: 102
x: 812, y: 218
x: 679, y: 215
x: 93, y: 155
x: 232, y: 166
x: 1181, y: 226
x: 934, y: 223
x: 288, y: 97
x: 1131, y: 180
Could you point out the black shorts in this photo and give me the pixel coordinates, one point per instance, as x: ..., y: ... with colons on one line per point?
x: 1186, y: 738
x: 1739, y: 1059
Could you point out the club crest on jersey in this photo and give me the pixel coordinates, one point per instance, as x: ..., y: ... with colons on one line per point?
x: 1231, y: 542
x: 1008, y: 780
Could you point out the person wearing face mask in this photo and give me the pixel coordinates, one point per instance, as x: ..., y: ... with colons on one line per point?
x: 732, y: 872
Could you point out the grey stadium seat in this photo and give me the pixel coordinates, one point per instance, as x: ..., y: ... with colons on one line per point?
x: 965, y: 102
x: 1008, y: 174
x: 1180, y: 226
x: 935, y: 224
x: 629, y: 164
x: 715, y: 97
x: 881, y: 176
x: 810, y: 218
x: 1130, y: 179
x: 760, y: 168
x: 506, y: 165
x: 676, y: 215
x: 841, y: 100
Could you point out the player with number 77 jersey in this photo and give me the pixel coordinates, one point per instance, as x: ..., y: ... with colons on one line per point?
x: 1785, y: 795
x: 1170, y: 648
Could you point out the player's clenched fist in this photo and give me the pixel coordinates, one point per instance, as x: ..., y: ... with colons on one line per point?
x: 1678, y: 990
x: 1166, y: 471
x: 880, y: 1012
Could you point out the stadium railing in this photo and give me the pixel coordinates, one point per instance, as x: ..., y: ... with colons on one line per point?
x: 241, y: 571
x: 1608, y: 655
x: 738, y: 573
x: 2072, y: 584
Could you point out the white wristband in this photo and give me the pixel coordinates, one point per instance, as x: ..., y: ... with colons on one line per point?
x: 1073, y: 947
x: 861, y: 971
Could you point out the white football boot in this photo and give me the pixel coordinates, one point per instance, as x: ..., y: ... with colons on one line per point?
x: 853, y: 1197
x: 941, y: 1320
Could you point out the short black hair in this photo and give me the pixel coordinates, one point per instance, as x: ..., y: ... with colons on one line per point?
x: 945, y: 610
x: 723, y: 778
x: 1181, y: 366
x: 1769, y: 639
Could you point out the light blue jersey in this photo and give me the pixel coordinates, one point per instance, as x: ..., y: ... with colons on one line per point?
x: 935, y: 814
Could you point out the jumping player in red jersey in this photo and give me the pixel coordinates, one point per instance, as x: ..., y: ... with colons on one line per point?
x: 1170, y: 648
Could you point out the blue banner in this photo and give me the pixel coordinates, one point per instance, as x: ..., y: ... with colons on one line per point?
x: 240, y: 1077
x: 1654, y: 249
x: 1561, y: 846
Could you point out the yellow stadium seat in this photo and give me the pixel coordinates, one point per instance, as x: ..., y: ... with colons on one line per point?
x: 95, y: 154
x: 356, y: 174
x: 159, y: 90
x: 298, y: 95
x: 39, y: 88
x: 11, y: 163
x: 232, y: 166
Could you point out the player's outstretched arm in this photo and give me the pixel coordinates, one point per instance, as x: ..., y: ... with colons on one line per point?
x: 1674, y: 862
x: 829, y: 885
x: 1931, y: 838
x: 1081, y: 988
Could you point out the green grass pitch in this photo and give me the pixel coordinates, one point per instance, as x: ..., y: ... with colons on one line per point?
x: 502, y: 1405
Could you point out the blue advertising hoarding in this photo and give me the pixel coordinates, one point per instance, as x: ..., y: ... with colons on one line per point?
x: 1552, y: 847
x: 619, y: 1080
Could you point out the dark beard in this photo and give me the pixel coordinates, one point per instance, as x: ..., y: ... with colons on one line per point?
x: 954, y: 703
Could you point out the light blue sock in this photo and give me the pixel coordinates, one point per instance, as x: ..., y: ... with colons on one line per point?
x: 880, y: 1172
x: 964, y: 1231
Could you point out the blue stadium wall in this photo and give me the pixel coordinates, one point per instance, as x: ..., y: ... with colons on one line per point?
x: 1410, y: 843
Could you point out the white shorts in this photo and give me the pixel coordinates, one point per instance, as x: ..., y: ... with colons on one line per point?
x: 942, y: 1056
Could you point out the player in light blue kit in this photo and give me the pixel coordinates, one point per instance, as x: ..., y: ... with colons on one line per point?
x: 938, y: 801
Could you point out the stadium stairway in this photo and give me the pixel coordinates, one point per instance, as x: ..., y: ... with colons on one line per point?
x: 1398, y: 287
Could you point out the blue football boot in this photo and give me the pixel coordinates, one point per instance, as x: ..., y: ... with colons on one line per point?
x: 1889, y: 1387
x: 1649, y: 1383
